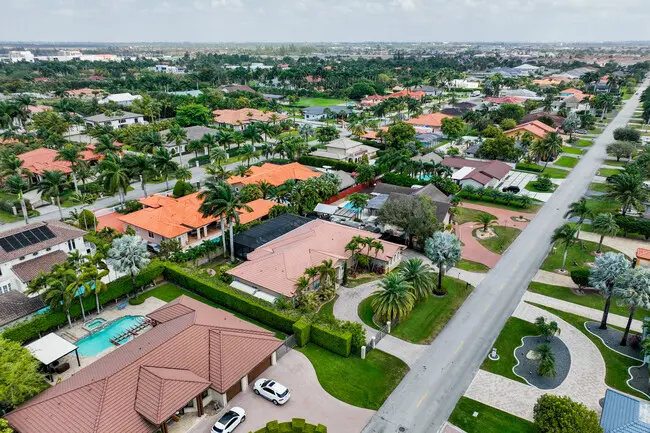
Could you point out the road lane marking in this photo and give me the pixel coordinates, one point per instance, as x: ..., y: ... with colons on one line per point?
x: 487, y: 307
x: 459, y: 346
x: 422, y: 399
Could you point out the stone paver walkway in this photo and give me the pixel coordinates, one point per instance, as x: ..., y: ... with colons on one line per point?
x: 554, y: 279
x: 585, y: 382
x: 625, y: 245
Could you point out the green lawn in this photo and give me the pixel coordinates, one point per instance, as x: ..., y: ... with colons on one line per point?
x: 607, y: 172
x: 6, y: 217
x: 500, y: 243
x: 466, y: 215
x: 596, y: 131
x: 572, y: 150
x: 531, y: 186
x: 470, y: 266
x: 533, y: 208
x: 489, y: 419
x: 600, y: 204
x: 616, y: 365
x: 507, y: 341
x: 366, y: 313
x: 319, y: 102
x: 615, y: 163
x: 168, y: 292
x: 354, y: 282
x: 580, y: 253
x: 599, y: 187
x: 584, y: 143
x: 327, y: 310
x: 567, y: 161
x: 592, y: 300
x: 363, y: 383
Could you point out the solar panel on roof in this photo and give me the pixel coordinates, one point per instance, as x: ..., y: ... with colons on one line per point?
x: 5, y: 245
x: 24, y: 239
x: 30, y: 235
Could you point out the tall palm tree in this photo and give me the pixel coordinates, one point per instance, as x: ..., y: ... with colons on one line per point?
x: 58, y: 296
x: 51, y: 185
x: 178, y: 136
x: 628, y: 190
x: 11, y: 164
x: 394, y: 299
x: 209, y: 141
x: 221, y: 200
x: 553, y: 145
x: 419, y: 275
x: 225, y: 139
x: 306, y: 131
x: 114, y: 176
x: 565, y: 235
x: 248, y: 153
x: 218, y: 156
x: 579, y: 209
x: 149, y: 141
x: 140, y: 166
x: 105, y: 145
x: 444, y: 250
x: 76, y: 284
x: 633, y: 290
x: 605, y: 225
x: 92, y: 273
x: 266, y: 188
x: 603, y: 275
x: 72, y: 154
x: 252, y: 133
x: 327, y: 273
x: 17, y: 185
x: 183, y: 173
x: 164, y: 163
x: 194, y: 146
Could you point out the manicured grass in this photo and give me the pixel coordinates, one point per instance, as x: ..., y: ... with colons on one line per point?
x: 366, y: 313
x: 319, y: 102
x: 6, y: 217
x: 500, y: 243
x: 489, y: 419
x: 532, y: 186
x: 362, y: 383
x: 552, y: 172
x: 533, y: 208
x: 584, y: 143
x: 615, y: 163
x: 598, y: 187
x: 607, y: 172
x: 616, y: 365
x: 572, y: 150
x: 591, y: 300
x: 567, y: 161
x: 168, y: 292
x: 579, y: 253
x: 600, y: 204
x: 354, y: 282
x: 327, y: 310
x: 470, y: 266
x: 466, y: 215
x: 595, y: 131
x: 507, y: 341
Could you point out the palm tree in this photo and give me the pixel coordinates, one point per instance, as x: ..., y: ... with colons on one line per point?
x: 306, y: 131
x: 553, y: 145
x: 252, y: 133
x: 444, y: 250
x: 128, y: 254
x: 209, y: 141
x: 419, y: 275
x: 76, y: 284
x: 327, y: 273
x: 546, y: 361
x: 194, y: 146
x: 72, y: 154
x: 217, y: 171
x: 248, y: 152
x: 178, y: 136
x: 394, y: 299
x: 17, y: 185
x: 633, y: 290
x: 92, y: 277
x: 566, y: 235
x: 11, y: 164
x: 486, y: 220
x: 183, y: 173
x: 114, y: 176
x: 105, y: 145
x: 579, y: 209
x: 140, y: 167
x: 359, y: 201
x: 266, y: 188
x: 51, y: 186
x: 164, y: 163
x: 355, y: 246
x: 628, y: 190
x: 225, y: 139
x: 602, y: 276
x: 242, y: 170
x: 218, y: 156
x: 221, y: 200
x: 58, y: 296
x: 149, y: 141
x: 605, y: 225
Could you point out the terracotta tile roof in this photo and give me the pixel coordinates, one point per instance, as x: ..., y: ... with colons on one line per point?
x: 15, y: 305
x: 209, y: 343
x: 433, y: 120
x: 62, y: 233
x: 571, y: 91
x: 275, y: 174
x: 110, y: 220
x: 535, y: 127
x: 277, y: 265
x: 29, y: 269
x: 244, y: 116
x: 557, y: 120
x: 642, y: 253
x: 261, y: 208
x: 39, y: 160
x: 506, y: 100
x: 83, y: 92
x: 34, y: 109
x: 403, y: 93
x: 312, y: 79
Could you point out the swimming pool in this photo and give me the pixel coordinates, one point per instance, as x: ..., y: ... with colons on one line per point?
x: 100, y: 341
x: 350, y: 206
x: 94, y: 324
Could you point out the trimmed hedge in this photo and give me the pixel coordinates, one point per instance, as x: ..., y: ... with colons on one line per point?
x: 315, y: 161
x: 302, y: 330
x: 631, y: 225
x: 334, y: 341
x: 402, y: 180
x: 296, y: 425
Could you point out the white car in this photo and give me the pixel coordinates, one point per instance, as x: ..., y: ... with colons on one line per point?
x: 272, y: 390
x: 229, y: 421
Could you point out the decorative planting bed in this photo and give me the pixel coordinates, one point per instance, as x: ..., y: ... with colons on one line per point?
x: 611, y: 337
x: 527, y: 365
x: 639, y: 379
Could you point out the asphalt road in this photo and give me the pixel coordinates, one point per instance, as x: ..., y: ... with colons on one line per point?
x: 428, y: 394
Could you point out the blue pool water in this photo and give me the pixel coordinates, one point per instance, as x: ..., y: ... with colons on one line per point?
x: 350, y: 206
x: 100, y: 341
x: 425, y: 177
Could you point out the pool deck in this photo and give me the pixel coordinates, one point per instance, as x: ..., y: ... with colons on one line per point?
x: 109, y: 314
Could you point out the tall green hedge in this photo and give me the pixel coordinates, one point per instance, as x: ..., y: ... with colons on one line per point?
x: 301, y: 330
x: 339, y: 342
x: 316, y: 161
x: 296, y: 425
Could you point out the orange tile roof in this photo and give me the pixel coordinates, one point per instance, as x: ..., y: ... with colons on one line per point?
x: 275, y: 174
x: 642, y: 253
x: 402, y: 93
x: 39, y: 160
x: 433, y: 120
x: 34, y: 109
x: 571, y: 90
x: 535, y: 127
x: 83, y: 92
x: 261, y: 208
x: 547, y: 82
x: 506, y: 100
x: 244, y: 116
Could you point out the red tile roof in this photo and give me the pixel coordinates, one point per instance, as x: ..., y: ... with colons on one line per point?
x: 39, y: 160
x: 243, y: 116
x: 571, y: 91
x: 197, y: 341
x: 506, y: 100
x: 403, y: 93
x: 275, y: 174
x: 642, y: 253
x: 535, y: 127
x: 433, y: 120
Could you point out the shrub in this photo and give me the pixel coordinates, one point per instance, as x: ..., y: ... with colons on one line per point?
x: 272, y: 427
x: 298, y: 425
x: 149, y: 274
x: 543, y: 183
x: 339, y: 342
x: 130, y: 206
x: 529, y: 167
x: 555, y: 414
x: 87, y: 220
x: 136, y: 301
x: 632, y: 225
x: 320, y: 428
x: 315, y: 161
x: 182, y: 189
x: 301, y: 329
x: 627, y: 134
x: 401, y: 180
x: 580, y: 276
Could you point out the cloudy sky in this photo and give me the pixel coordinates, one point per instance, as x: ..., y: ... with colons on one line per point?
x: 324, y: 20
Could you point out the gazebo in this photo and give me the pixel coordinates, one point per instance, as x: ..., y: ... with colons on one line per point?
x: 52, y: 348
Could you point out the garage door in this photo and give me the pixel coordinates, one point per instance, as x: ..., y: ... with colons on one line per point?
x: 233, y: 391
x: 259, y: 369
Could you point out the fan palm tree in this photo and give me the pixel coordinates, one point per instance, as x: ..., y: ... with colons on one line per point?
x: 221, y: 200
x: 178, y: 136
x: 128, y: 254
x: 164, y: 163
x: 114, y: 176
x: 51, y: 186
x: 486, y: 220
x: 605, y: 225
x: 633, y: 290
x: 419, y: 275
x: 72, y: 154
x: 18, y: 186
x: 141, y: 167
x: 603, y: 275
x: 565, y: 235
x: 395, y: 298
x: 579, y: 209
x: 628, y: 190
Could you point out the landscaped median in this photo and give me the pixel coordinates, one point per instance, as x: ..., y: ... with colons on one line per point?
x: 580, y: 254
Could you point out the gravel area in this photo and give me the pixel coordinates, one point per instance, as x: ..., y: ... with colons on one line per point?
x: 640, y: 377
x: 527, y: 368
x: 612, y: 339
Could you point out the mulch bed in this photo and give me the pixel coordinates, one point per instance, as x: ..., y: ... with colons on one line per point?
x: 527, y: 368
x: 612, y: 339
x: 640, y: 378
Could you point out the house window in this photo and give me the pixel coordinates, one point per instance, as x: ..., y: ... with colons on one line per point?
x: 71, y: 245
x: 151, y: 235
x: 5, y: 288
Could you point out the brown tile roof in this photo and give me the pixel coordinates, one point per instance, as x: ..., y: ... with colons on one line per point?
x: 535, y: 127
x: 493, y: 169
x: 14, y: 305
x: 29, y: 269
x: 101, y: 398
x: 62, y: 233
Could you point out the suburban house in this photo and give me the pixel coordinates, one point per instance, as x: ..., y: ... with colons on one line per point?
x: 429, y: 90
x: 124, y: 99
x: 428, y: 122
x: 192, y: 132
x: 83, y: 93
x: 407, y: 93
x: 253, y: 238
x: 179, y: 218
x: 371, y: 100
x: 479, y: 174
x: 319, y: 113
x: 239, y: 119
x: 236, y: 88
x: 465, y: 83
x: 272, y: 269
x: 16, y: 308
x: 194, y: 355
x: 537, y: 129
x: 345, y: 149
x: 622, y: 413
x: 27, y: 251
x: 459, y: 109
x: 557, y: 120
x: 116, y: 120
x: 383, y: 192
x: 42, y: 159
x: 516, y: 100
x: 521, y: 93
x: 274, y: 174
x: 569, y: 92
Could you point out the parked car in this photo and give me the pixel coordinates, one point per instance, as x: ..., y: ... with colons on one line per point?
x: 230, y: 420
x: 272, y: 391
x: 581, y: 131
x: 512, y: 188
